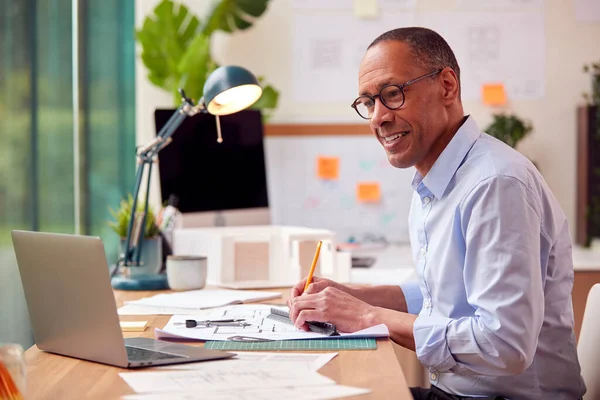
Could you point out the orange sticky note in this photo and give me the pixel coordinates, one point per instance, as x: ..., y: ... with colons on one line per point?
x: 328, y: 167
x: 493, y: 94
x: 368, y: 192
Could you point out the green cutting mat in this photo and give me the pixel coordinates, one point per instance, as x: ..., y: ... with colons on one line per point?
x: 305, y: 344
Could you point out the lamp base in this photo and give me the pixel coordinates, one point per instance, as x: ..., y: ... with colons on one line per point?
x: 140, y: 282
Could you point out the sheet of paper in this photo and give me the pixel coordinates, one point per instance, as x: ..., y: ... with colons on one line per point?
x: 138, y: 309
x: 505, y: 47
x: 328, y: 167
x: 327, y: 55
x: 223, y: 377
x: 365, y: 8
x: 493, y: 94
x: 346, y: 5
x: 261, y: 393
x: 260, y: 326
x: 308, y: 361
x: 368, y: 192
x: 481, y: 4
x: 587, y: 10
x: 205, y: 298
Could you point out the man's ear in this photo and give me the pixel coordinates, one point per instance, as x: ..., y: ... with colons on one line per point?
x: 450, y: 86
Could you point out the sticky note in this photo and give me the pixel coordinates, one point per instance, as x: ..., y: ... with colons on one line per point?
x: 133, y: 326
x: 328, y: 167
x: 365, y: 9
x: 368, y: 192
x: 493, y: 94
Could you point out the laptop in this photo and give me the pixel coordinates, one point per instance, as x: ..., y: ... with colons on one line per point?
x: 72, y: 306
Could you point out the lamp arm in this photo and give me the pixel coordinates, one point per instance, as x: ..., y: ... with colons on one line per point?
x: 137, y: 221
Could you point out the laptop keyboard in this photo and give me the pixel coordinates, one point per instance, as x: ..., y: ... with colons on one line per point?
x: 138, y: 354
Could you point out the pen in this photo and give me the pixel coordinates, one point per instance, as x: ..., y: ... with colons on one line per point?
x: 312, y: 267
x: 192, y: 323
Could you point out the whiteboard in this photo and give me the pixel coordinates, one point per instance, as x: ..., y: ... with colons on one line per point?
x: 297, y: 196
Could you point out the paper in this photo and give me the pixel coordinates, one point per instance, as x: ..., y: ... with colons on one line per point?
x: 493, y: 94
x: 365, y: 8
x: 223, y: 377
x: 328, y: 167
x: 307, y: 361
x: 587, y: 10
x: 260, y: 326
x: 261, y: 393
x: 327, y: 50
x: 507, y: 47
x: 368, y: 192
x: 471, y: 4
x: 199, y: 299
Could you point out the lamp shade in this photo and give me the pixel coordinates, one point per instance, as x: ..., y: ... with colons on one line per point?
x: 230, y: 89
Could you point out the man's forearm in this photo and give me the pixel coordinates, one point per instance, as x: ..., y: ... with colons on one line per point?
x: 400, y: 325
x: 385, y: 296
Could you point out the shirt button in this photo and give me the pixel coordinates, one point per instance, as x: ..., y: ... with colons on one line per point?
x: 427, y: 303
x: 426, y: 200
x: 433, y: 376
x: 423, y: 251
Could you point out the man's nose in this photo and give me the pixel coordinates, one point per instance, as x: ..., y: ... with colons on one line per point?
x: 381, y: 114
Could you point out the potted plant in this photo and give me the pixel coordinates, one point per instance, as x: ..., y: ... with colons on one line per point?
x: 151, y: 256
x: 588, y: 169
x: 509, y: 128
x: 176, y: 46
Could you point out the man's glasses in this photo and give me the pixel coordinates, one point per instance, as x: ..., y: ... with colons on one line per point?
x: 391, y: 96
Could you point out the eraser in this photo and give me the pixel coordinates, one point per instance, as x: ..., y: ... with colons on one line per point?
x: 133, y: 326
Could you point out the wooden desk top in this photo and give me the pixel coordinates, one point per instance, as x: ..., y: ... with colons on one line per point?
x: 57, y: 377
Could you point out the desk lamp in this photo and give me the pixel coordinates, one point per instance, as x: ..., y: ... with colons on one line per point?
x: 227, y: 90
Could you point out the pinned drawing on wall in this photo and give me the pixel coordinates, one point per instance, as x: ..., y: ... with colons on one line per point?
x: 365, y: 9
x: 368, y: 192
x: 493, y: 94
x: 328, y: 167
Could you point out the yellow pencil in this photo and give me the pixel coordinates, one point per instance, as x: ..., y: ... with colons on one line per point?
x: 312, y: 267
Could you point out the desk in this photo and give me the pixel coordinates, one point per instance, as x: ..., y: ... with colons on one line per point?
x: 57, y: 377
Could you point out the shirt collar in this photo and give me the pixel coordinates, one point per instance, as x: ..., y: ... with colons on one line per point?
x: 444, y: 168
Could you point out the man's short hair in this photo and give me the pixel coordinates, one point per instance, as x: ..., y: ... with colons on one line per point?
x: 430, y: 50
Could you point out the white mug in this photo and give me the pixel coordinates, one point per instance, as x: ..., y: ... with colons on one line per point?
x: 186, y: 272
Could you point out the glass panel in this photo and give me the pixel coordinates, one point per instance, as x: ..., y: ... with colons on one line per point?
x: 55, y: 116
x: 110, y: 75
x: 15, y: 163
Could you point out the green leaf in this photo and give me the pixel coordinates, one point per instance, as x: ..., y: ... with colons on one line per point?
x: 193, y: 67
x: 232, y: 15
x: 268, y: 99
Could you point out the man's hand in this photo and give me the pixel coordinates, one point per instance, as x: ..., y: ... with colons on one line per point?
x: 325, y: 302
x: 317, y: 285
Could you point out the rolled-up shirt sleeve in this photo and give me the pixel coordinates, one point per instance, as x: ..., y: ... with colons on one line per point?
x: 503, y: 282
x: 413, y: 296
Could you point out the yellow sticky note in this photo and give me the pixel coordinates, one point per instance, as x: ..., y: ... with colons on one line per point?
x: 368, y: 192
x: 133, y: 326
x: 328, y: 167
x: 365, y: 9
x: 493, y: 94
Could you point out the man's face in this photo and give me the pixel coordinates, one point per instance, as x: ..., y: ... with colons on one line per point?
x: 408, y: 133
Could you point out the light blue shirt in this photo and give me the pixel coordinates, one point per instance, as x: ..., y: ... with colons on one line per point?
x: 493, y: 257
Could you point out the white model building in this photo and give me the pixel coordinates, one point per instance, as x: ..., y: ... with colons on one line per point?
x: 262, y: 256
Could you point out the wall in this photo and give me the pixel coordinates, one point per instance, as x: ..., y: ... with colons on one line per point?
x: 266, y: 50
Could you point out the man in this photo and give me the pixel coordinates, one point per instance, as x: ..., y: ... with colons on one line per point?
x: 491, y: 312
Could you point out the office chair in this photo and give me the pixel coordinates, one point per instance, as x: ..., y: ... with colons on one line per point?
x: 588, y: 348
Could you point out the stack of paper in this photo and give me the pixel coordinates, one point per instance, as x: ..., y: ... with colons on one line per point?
x: 257, y: 326
x: 192, y: 301
x: 286, y: 376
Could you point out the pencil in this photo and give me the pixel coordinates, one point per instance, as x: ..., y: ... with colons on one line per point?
x: 312, y: 267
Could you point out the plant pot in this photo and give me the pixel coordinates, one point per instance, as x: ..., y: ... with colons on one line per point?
x: 151, y: 258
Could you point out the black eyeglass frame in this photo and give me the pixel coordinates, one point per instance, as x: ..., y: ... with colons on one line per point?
x: 401, y: 87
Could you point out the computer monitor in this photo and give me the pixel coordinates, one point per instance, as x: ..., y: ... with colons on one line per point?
x: 217, y: 184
